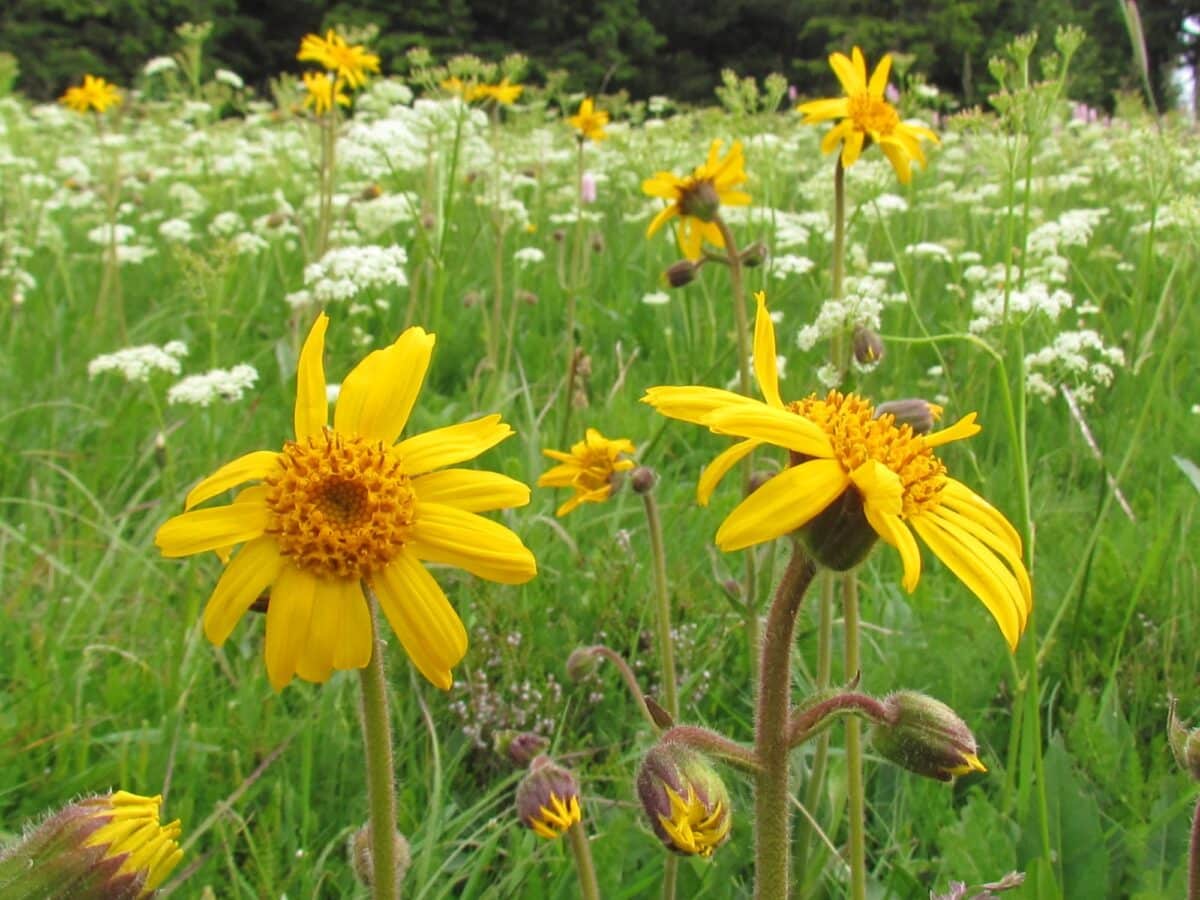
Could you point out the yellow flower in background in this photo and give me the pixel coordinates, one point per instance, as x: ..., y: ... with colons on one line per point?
x: 867, y: 117
x: 851, y: 467
x: 344, y: 506
x: 504, y: 93
x: 589, y: 469
x: 322, y: 91
x: 350, y: 62
x: 697, y: 198
x: 95, y: 93
x: 589, y: 121
x: 459, y: 88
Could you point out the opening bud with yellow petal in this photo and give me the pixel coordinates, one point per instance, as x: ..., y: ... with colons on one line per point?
x: 363, y: 863
x: 925, y: 736
x: 1184, y: 741
x: 868, y: 346
x: 111, y: 846
x: 919, y: 415
x: 548, y: 798
x: 684, y: 798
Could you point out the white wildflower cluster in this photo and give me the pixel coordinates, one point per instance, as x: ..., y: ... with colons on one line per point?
x: 158, y: 65
x: 890, y: 203
x: 137, y: 364
x: 176, y: 231
x: 228, y: 385
x: 862, y: 305
x: 656, y: 298
x: 116, y: 234
x: 529, y: 256
x: 189, y: 200
x: 792, y: 229
x: 226, y: 223
x: 1079, y: 360
x: 247, y: 243
x: 928, y: 250
x: 385, y: 212
x: 342, y: 274
x: 1072, y: 229
x: 1035, y: 298
x: 229, y: 79
x: 791, y: 264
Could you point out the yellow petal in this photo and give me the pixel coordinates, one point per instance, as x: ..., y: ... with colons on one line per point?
x: 959, y: 497
x: 879, y: 78
x: 719, y: 468
x: 847, y: 74
x: 691, y: 403
x: 247, y: 575
x: 964, y: 428
x: 783, y: 504
x: 664, y: 185
x: 485, y: 548
x: 772, y: 425
x: 823, y: 110
x: 452, y: 444
x: 980, y: 570
x: 418, y: 611
x: 765, y: 370
x: 852, y: 148
x: 996, y: 542
x: 256, y: 465
x: 213, y: 529
x: 378, y: 395
x: 883, y: 499
x: 837, y: 134
x: 471, y: 490
x: 312, y: 406
x: 288, y: 616
x: 339, y: 632
x: 899, y: 160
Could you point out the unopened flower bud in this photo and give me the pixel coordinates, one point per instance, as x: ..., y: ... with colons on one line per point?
x: 471, y: 299
x: 919, y: 415
x: 363, y: 862
x: 428, y: 221
x: 642, y: 479
x: 681, y: 273
x: 371, y: 192
x: 111, y: 846
x: 925, y: 736
x: 276, y: 219
x: 520, y: 746
x: 868, y: 346
x: 529, y: 298
x: 548, y: 798
x: 581, y: 663
x: 701, y: 201
x: 160, y: 450
x: 684, y: 798
x: 1185, y: 743
x: 558, y: 235
x: 754, y: 255
x: 597, y: 242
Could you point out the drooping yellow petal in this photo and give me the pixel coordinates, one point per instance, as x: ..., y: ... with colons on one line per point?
x: 959, y: 497
x: 252, y: 466
x: 719, y: 468
x: 664, y: 185
x: 836, y: 135
x: 852, y: 147
x: 979, y: 569
x: 766, y: 372
x: 882, y: 494
x: 664, y: 216
x: 783, y: 504
x: 288, y: 616
x: 691, y: 403
x: 815, y: 111
x: 879, y: 78
x: 312, y: 406
x: 378, y: 395
x: 452, y: 444
x: 249, y: 573
x: 775, y: 426
x: 964, y: 428
x: 485, y: 548
x: 339, y: 633
x: 216, y: 528
x: 418, y: 611
x: 996, y: 542
x: 899, y: 160
x: 473, y: 491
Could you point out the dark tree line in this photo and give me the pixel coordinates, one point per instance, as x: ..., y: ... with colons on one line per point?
x: 672, y: 47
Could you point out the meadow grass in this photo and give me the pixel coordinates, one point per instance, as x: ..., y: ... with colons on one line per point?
x: 106, y: 679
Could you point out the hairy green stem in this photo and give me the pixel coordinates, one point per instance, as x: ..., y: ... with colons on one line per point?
x: 666, y: 651
x: 816, y: 773
x: 855, y: 796
x: 771, y: 812
x: 581, y: 850
x: 381, y: 789
x: 626, y: 675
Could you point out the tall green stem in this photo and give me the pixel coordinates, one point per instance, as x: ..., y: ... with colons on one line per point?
x: 581, y: 850
x: 771, y: 812
x: 381, y: 788
x: 854, y: 762
x: 816, y: 773
x: 665, y: 650
x: 1194, y: 857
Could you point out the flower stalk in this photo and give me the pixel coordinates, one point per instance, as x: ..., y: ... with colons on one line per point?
x: 855, y: 797
x: 666, y: 652
x: 581, y: 852
x: 377, y: 744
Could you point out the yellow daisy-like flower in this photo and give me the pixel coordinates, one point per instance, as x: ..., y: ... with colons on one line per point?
x: 851, y: 467
x: 589, y: 121
x: 866, y: 115
x: 459, y: 88
x: 696, y: 198
x: 692, y: 828
x: 553, y: 820
x: 350, y: 62
x: 345, y: 506
x: 128, y: 832
x: 322, y: 91
x: 504, y: 93
x: 95, y: 93
x: 589, y: 469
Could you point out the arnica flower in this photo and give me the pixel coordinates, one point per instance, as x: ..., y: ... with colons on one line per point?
x: 589, y: 468
x: 322, y: 91
x: 925, y: 736
x: 350, y: 62
x: 866, y: 117
x: 697, y: 198
x: 684, y: 799
x: 548, y: 798
x: 504, y: 93
x: 855, y: 477
x: 95, y: 93
x: 589, y: 121
x: 106, y: 846
x: 344, y: 507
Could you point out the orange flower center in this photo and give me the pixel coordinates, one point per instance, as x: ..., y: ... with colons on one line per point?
x: 872, y: 115
x: 340, y: 506
x: 857, y: 436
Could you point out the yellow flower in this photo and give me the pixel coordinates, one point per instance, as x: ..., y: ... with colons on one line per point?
x: 589, y: 469
x: 589, y: 122
x: 866, y: 115
x: 692, y: 828
x: 343, y: 507
x: 459, y: 88
x: 322, y: 91
x: 696, y: 198
x: 553, y: 820
x: 850, y: 464
x: 350, y: 62
x: 503, y: 93
x: 129, y: 831
x: 95, y: 93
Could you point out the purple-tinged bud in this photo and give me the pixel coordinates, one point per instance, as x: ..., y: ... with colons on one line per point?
x: 754, y: 255
x: 925, y: 736
x: 642, y: 479
x: 684, y: 799
x: 521, y: 747
x: 868, y: 346
x: 548, y: 798
x: 700, y: 201
x: 919, y: 415
x: 581, y: 664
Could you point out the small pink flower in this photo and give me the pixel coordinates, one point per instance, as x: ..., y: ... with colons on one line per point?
x: 587, y: 188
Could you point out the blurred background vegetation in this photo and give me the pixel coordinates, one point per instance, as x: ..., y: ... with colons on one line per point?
x: 646, y: 47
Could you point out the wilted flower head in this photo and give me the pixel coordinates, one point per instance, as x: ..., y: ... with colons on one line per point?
x: 697, y: 198
x: 548, y: 798
x: 589, y: 468
x: 684, y: 799
x: 95, y: 93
